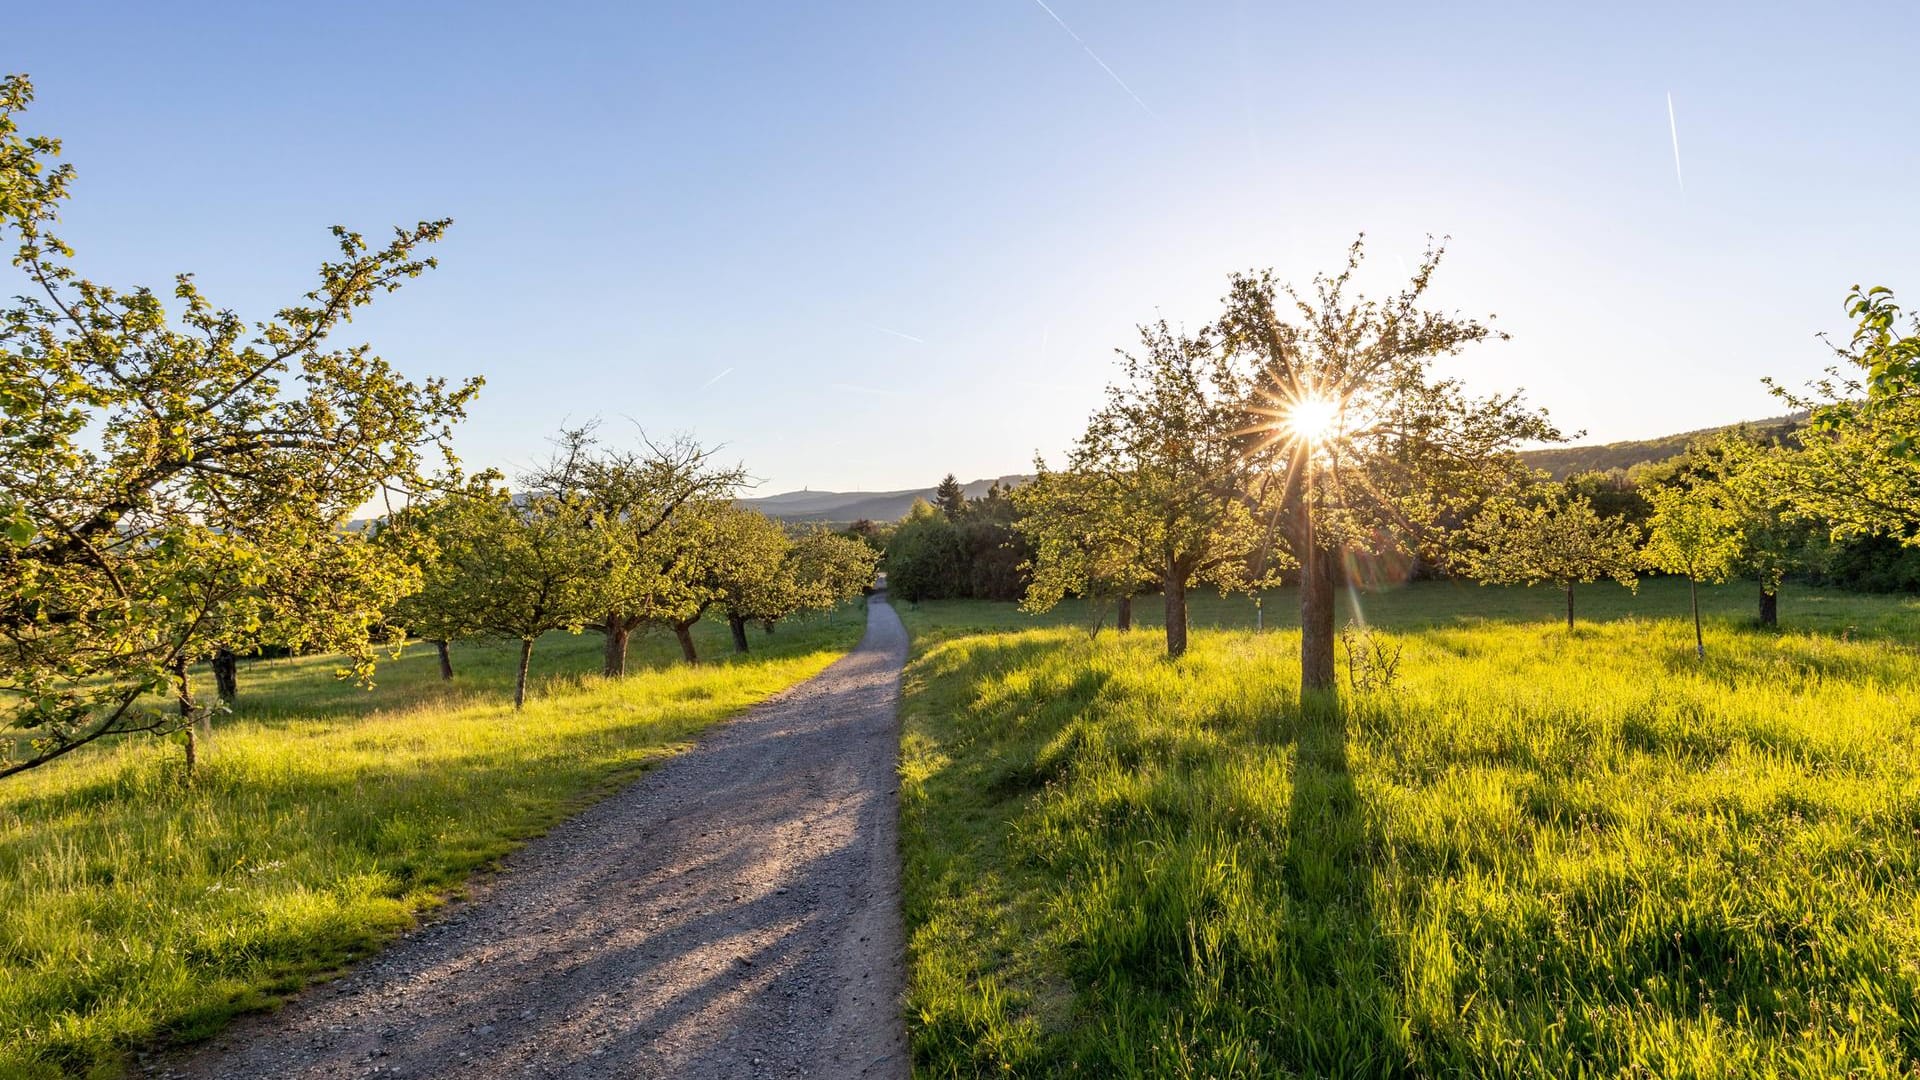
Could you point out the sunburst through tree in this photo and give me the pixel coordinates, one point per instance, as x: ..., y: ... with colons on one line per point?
x: 1357, y: 444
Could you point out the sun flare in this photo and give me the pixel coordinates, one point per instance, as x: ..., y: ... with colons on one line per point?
x: 1313, y: 418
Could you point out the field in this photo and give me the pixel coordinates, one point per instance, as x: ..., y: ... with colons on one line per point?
x: 1529, y: 854
x: 323, y: 820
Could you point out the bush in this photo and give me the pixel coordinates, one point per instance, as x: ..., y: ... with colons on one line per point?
x: 924, y: 560
x: 994, y: 552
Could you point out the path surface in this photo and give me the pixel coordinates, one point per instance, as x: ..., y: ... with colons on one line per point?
x: 734, y: 913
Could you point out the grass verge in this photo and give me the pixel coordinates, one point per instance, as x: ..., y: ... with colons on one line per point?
x: 322, y: 821
x: 1535, y: 855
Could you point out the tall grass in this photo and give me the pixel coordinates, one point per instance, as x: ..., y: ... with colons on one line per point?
x: 1535, y: 855
x: 323, y: 819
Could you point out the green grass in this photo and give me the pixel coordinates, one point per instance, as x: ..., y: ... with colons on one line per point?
x: 1438, y: 603
x: 323, y: 820
x: 1536, y: 855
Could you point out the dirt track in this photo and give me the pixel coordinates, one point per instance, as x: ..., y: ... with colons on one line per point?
x: 734, y: 913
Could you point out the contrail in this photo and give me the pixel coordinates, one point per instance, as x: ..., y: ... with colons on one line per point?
x: 716, y: 378
x: 898, y: 334
x: 1675, y: 127
x: 1122, y: 83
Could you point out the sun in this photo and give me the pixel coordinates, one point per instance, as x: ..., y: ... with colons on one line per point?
x: 1312, y: 418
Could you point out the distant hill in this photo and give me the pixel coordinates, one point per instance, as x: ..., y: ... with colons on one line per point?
x: 1565, y: 461
x: 1559, y: 461
x: 846, y: 506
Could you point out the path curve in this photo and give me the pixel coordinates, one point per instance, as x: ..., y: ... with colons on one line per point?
x: 733, y: 913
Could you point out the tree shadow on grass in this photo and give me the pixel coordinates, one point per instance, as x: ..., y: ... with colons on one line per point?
x: 1210, y: 933
x: 1203, y: 919
x: 1340, y: 1014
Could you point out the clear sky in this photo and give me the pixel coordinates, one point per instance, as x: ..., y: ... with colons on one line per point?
x: 865, y: 244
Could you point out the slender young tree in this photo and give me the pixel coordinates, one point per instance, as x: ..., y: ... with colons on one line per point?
x: 174, y: 480
x: 1352, y: 433
x: 1082, y: 544
x: 513, y: 567
x: 1695, y: 534
x: 1555, y: 538
x: 429, y: 532
x: 1168, y: 449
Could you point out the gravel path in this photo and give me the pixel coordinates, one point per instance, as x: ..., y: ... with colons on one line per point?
x: 734, y: 913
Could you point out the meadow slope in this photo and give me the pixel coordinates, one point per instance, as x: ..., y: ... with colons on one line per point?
x: 135, y: 907
x: 1532, y: 855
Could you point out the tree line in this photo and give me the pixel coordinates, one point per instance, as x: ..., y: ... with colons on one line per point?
x: 955, y: 547
x: 613, y: 541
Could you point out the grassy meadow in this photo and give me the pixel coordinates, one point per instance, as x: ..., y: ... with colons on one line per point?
x: 1731, y: 607
x: 323, y: 819
x: 1534, y: 854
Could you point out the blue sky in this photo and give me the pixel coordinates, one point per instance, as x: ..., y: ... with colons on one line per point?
x: 865, y: 244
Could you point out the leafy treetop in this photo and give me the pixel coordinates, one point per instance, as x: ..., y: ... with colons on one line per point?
x: 173, y: 479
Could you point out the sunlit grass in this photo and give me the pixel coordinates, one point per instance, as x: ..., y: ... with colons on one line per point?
x: 322, y: 820
x: 1455, y: 603
x: 1536, y: 855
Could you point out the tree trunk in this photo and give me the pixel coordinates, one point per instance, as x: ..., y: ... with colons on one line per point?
x: 739, y: 627
x: 520, y: 680
x: 1176, y: 597
x: 185, y: 691
x: 767, y: 624
x: 1316, y: 621
x: 1569, y: 607
x: 1699, y: 639
x: 1123, y: 618
x: 615, y: 662
x: 441, y: 646
x: 226, y: 674
x: 1769, y: 607
x: 1316, y: 604
x: 683, y: 632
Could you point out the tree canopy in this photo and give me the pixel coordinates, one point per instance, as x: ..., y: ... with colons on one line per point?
x: 1694, y: 533
x: 175, y: 480
x: 924, y: 558
x: 1166, y: 453
x: 512, y: 566
x: 828, y: 568
x: 1081, y: 541
x: 1353, y: 435
x: 950, y: 498
x: 631, y: 497
x: 1556, y: 538
x: 1859, y: 469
